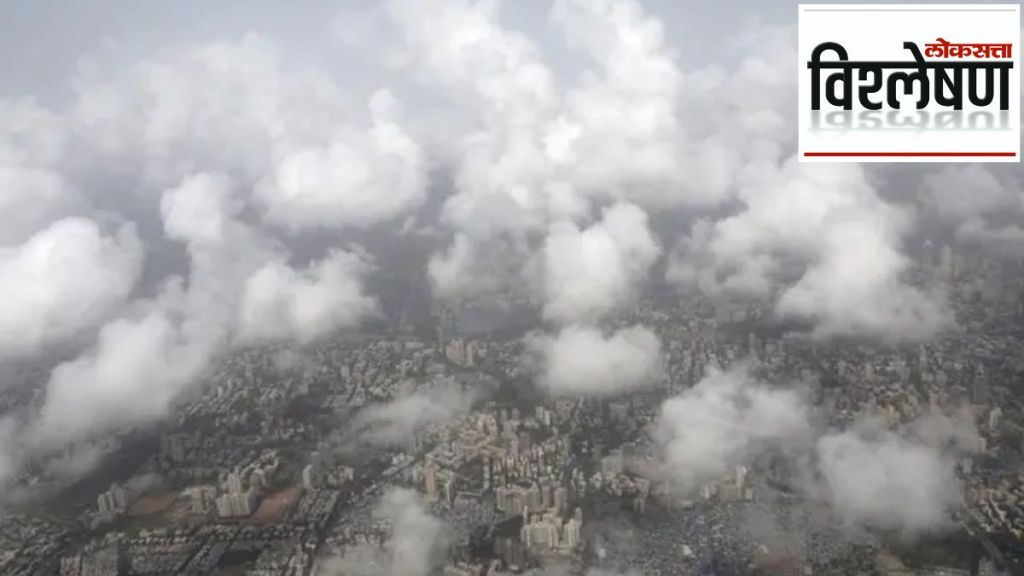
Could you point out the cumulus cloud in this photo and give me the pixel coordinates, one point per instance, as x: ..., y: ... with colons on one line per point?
x: 33, y: 193
x: 224, y: 106
x: 359, y: 178
x: 901, y: 480
x: 399, y: 420
x: 587, y: 361
x: 869, y: 476
x: 563, y: 166
x: 136, y: 369
x: 281, y: 303
x: 412, y: 549
x: 618, y: 133
x: 829, y: 225
x: 593, y: 271
x: 539, y: 154
x: 203, y: 213
x: 143, y: 362
x: 500, y: 166
x: 282, y: 130
x: 468, y: 269
x: 877, y: 479
x: 30, y: 199
x: 726, y: 420
x: 62, y: 281
x: 635, y: 127
x: 856, y: 289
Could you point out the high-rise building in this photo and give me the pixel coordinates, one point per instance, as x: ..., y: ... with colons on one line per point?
x: 430, y: 483
x: 449, y: 489
x: 561, y: 500
x: 104, y: 504
x: 571, y: 538
x: 994, y: 418
x: 258, y: 480
x: 547, y: 496
x: 310, y: 477
x: 119, y: 497
x: 234, y: 483
x: 112, y: 501
x: 203, y: 498
x: 235, y: 505
x: 71, y: 565
x: 534, y: 500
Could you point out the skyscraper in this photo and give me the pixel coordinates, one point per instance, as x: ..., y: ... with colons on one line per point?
x: 430, y: 479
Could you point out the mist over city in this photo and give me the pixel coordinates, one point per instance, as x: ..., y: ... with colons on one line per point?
x: 480, y: 288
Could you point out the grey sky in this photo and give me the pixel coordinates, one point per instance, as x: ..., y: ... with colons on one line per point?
x: 42, y: 41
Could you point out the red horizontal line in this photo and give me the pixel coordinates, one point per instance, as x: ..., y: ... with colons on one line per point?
x: 932, y: 154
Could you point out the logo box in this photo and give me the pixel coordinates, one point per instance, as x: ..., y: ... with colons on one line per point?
x: 909, y: 82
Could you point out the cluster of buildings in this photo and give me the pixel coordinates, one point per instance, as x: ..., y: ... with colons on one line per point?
x: 547, y: 529
x: 244, y: 487
x: 464, y: 352
x: 521, y: 474
x: 112, y: 502
x: 29, y: 544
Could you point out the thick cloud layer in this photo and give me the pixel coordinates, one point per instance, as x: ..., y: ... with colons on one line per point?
x: 633, y: 126
x: 280, y: 130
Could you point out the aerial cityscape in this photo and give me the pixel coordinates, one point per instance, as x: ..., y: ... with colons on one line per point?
x: 481, y: 288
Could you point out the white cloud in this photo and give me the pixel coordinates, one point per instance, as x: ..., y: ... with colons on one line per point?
x: 359, y: 178
x: 33, y: 193
x: 280, y: 130
x: 279, y: 302
x: 726, y: 420
x: 596, y: 270
x: 30, y: 199
x: 829, y: 224
x: 399, y: 420
x: 136, y: 370
x: 878, y: 479
x: 857, y: 289
x: 62, y: 281
x: 413, y: 549
x: 584, y: 361
x: 869, y: 476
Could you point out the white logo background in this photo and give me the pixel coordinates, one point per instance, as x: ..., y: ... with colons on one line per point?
x: 872, y: 32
